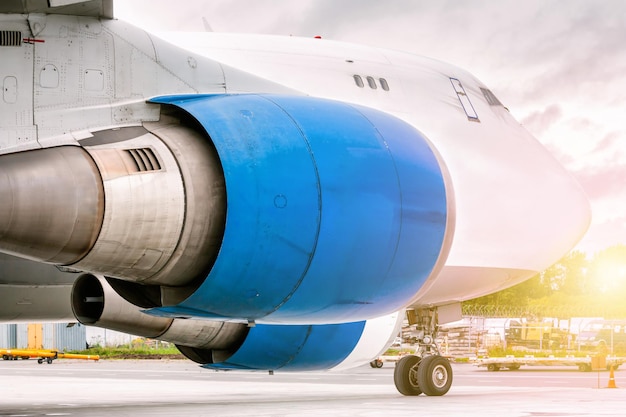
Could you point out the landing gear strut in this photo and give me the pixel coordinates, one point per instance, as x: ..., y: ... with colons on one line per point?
x: 426, y: 372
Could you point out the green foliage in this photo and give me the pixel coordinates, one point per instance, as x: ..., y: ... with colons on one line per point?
x: 122, y: 352
x: 574, y: 286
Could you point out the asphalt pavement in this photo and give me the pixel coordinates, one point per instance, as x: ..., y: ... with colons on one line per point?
x: 180, y: 388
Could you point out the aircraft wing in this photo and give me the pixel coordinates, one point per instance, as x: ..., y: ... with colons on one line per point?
x: 93, y: 8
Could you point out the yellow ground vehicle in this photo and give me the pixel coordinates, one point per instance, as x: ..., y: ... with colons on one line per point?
x: 535, y: 335
x: 43, y: 355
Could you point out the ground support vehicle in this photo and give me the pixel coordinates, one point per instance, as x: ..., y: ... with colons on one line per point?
x: 42, y: 355
x: 586, y: 364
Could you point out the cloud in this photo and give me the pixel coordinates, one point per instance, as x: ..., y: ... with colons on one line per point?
x: 576, y: 50
x: 541, y: 120
x: 602, y: 181
x: 613, y: 141
x: 604, y: 234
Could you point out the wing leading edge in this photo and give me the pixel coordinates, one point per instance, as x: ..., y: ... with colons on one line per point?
x: 93, y: 8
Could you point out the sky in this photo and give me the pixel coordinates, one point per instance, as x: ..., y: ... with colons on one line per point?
x: 558, y: 65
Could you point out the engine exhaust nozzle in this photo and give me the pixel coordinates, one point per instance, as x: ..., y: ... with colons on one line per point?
x: 51, y: 204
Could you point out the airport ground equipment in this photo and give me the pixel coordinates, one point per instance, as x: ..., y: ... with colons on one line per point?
x: 585, y: 364
x: 43, y: 355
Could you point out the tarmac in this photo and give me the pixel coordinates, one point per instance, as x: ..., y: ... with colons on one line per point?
x: 181, y: 388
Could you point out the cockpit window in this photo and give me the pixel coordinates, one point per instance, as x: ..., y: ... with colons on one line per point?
x: 490, y: 97
x: 471, y: 114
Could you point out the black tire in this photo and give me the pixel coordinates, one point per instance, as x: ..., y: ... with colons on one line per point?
x: 5, y: 357
x: 493, y: 367
x: 405, y: 375
x: 376, y: 363
x: 40, y: 361
x: 434, y: 375
x: 49, y: 360
x: 514, y: 367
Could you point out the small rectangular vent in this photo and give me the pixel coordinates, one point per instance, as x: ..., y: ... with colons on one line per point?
x: 144, y: 159
x: 10, y: 38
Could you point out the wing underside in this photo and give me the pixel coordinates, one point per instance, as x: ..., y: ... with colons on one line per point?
x: 94, y: 8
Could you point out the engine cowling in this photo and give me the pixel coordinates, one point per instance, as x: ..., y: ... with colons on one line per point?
x: 335, y: 212
x: 310, y: 347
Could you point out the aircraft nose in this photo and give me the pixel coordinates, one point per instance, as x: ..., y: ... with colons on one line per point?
x: 569, y: 210
x: 554, y: 212
x: 51, y: 204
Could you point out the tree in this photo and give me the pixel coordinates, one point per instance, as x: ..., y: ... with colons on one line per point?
x: 568, y: 274
x: 573, y: 286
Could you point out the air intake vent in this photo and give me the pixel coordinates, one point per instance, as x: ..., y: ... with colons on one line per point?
x: 144, y: 159
x: 10, y: 38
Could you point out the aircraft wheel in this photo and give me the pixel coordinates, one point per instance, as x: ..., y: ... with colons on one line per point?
x: 376, y: 363
x: 405, y: 375
x: 434, y: 375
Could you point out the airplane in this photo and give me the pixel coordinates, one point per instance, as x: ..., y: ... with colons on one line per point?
x: 263, y: 202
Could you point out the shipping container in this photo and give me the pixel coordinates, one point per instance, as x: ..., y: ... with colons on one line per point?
x: 8, y: 336
x: 66, y: 337
x: 55, y: 336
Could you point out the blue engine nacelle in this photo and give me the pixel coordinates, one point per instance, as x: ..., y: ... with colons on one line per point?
x: 304, y: 347
x: 335, y: 213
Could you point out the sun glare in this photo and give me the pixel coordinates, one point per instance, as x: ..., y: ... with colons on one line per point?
x: 609, y: 275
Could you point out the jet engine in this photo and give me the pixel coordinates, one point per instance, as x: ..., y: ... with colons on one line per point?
x: 227, y: 345
x: 252, y: 208
x: 95, y: 303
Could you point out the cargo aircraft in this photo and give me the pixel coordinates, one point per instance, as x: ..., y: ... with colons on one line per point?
x: 263, y: 202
